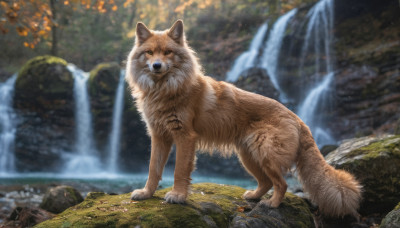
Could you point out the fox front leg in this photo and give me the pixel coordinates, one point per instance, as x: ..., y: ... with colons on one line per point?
x: 184, y: 165
x: 160, y: 149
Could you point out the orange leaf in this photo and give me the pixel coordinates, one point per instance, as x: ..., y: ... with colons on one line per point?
x: 114, y: 8
x: 26, y: 44
x: 240, y: 209
x: 22, y: 31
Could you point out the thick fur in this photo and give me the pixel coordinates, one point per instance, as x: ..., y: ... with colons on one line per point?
x: 181, y: 106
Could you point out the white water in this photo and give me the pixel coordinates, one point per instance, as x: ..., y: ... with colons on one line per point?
x: 7, y: 127
x: 318, y: 33
x: 269, y: 60
x: 114, y: 144
x: 318, y: 42
x: 85, y: 157
x: 308, y: 110
x: 247, y: 59
x: 316, y: 60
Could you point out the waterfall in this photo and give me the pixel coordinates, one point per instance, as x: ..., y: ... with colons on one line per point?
x: 316, y: 61
x: 114, y: 144
x: 85, y: 158
x: 319, y: 28
x: 7, y: 126
x: 247, y: 59
x: 308, y: 110
x: 269, y: 59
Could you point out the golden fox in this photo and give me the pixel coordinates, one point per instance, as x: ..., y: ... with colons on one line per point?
x: 181, y: 106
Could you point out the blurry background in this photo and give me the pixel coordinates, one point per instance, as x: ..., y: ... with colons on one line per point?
x: 336, y: 63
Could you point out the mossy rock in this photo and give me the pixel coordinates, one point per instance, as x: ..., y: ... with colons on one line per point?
x: 209, y: 205
x: 376, y: 164
x: 104, y: 79
x: 59, y: 198
x: 44, y: 82
x: 392, y: 219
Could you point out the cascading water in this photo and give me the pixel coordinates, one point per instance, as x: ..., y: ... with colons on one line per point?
x: 114, y: 144
x: 316, y: 54
x: 269, y: 59
x: 319, y: 30
x: 247, y: 59
x: 84, y: 159
x: 7, y: 127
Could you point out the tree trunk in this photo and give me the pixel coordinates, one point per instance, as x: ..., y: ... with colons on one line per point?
x: 54, y: 40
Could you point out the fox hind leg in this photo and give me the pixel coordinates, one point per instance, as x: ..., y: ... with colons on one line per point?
x: 278, y: 182
x: 253, y: 167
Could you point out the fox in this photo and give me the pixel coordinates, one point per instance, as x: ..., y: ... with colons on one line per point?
x: 181, y: 106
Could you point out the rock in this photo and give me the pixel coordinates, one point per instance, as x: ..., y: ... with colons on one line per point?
x: 44, y: 82
x: 257, y: 81
x: 103, y: 83
x: 327, y: 149
x: 209, y: 205
x: 293, y: 212
x: 134, y: 143
x: 27, y: 217
x: 392, y: 220
x: 59, y: 198
x: 376, y: 164
x: 44, y: 103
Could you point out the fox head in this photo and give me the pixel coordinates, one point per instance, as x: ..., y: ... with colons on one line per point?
x: 161, y: 59
x: 160, y: 48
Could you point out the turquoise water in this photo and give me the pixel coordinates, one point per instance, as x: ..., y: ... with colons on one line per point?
x: 111, y: 183
x: 122, y: 183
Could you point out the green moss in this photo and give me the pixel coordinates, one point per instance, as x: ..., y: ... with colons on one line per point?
x: 207, y: 202
x: 390, y: 145
x: 376, y: 167
x: 39, y: 60
x: 103, y: 79
x: 44, y: 83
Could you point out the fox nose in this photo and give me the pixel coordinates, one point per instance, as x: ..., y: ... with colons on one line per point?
x: 157, y: 66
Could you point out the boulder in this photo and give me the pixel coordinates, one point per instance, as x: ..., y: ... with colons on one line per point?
x: 44, y: 103
x: 103, y: 83
x: 59, y: 198
x: 209, y: 205
x: 376, y: 164
x: 134, y: 143
x: 256, y: 80
x: 392, y: 220
x: 27, y: 217
x: 43, y: 83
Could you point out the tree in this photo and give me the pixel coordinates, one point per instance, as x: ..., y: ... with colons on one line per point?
x: 37, y: 19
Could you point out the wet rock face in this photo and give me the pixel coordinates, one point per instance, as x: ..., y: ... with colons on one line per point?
x: 376, y: 164
x: 59, y: 198
x: 134, y: 143
x: 43, y: 100
x: 102, y: 85
x: 209, y: 205
x: 367, y: 82
x: 256, y: 80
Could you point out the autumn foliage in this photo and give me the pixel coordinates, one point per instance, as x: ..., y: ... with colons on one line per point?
x: 37, y: 17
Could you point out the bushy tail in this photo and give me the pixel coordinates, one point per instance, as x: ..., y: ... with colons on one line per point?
x: 336, y: 192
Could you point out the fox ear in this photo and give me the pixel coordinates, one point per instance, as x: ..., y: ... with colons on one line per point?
x: 142, y: 33
x: 176, y: 32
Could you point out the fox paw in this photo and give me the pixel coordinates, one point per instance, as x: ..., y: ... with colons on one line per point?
x: 250, y: 195
x: 270, y: 203
x: 175, y: 197
x: 140, y: 194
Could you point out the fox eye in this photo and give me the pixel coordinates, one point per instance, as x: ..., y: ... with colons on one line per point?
x: 149, y: 52
x: 167, y: 52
